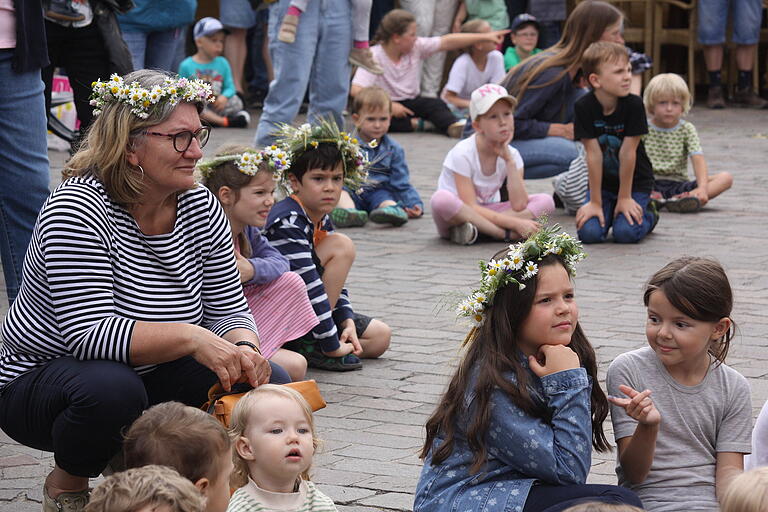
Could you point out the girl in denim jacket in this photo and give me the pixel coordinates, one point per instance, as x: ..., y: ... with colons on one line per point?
x: 515, y: 429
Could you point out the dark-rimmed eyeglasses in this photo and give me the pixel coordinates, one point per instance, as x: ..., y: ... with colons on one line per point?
x: 182, y: 140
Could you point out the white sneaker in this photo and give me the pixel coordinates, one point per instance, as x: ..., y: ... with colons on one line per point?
x: 463, y: 234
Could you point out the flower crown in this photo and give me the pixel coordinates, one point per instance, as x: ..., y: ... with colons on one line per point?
x: 248, y: 162
x: 142, y: 100
x: 298, y: 140
x: 519, y: 265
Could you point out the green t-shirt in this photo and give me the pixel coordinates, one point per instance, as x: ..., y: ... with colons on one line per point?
x: 512, y: 59
x: 670, y: 148
x: 492, y: 11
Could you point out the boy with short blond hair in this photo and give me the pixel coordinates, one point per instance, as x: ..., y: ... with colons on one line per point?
x: 610, y: 122
x: 188, y: 440
x: 147, y: 489
x: 388, y: 197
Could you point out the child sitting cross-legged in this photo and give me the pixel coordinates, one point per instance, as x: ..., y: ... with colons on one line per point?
x: 187, y: 440
x: 610, y: 122
x: 467, y: 199
x: 670, y: 142
x: 146, y: 489
x: 209, y: 65
x: 323, y: 159
x: 244, y: 181
x: 516, y: 426
x: 388, y: 197
x: 273, y: 433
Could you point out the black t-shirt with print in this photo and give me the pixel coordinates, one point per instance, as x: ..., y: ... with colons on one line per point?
x: 628, y: 120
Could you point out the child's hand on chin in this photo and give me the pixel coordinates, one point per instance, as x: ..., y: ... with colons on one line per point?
x: 638, y: 406
x: 552, y: 359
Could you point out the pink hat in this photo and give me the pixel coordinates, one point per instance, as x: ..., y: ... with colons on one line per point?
x: 485, y: 96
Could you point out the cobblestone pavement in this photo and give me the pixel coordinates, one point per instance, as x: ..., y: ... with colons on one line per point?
x: 373, y: 425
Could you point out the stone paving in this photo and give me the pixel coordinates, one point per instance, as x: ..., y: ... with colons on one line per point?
x: 373, y: 425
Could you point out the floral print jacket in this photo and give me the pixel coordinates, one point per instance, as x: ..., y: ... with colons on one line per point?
x: 521, y: 450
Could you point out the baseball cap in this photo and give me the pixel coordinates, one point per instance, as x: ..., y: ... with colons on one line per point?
x: 208, y: 26
x: 485, y: 96
x: 523, y: 19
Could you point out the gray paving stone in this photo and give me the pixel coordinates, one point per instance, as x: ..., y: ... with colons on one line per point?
x: 392, y: 500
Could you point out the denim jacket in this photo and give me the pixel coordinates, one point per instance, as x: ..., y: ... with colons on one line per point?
x: 521, y: 449
x: 390, y: 171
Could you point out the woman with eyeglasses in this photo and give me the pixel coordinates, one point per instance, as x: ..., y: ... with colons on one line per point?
x: 130, y: 294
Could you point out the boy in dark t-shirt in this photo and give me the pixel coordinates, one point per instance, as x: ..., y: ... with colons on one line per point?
x: 609, y: 121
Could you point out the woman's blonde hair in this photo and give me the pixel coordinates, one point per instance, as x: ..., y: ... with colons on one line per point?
x: 748, y: 492
x: 667, y: 85
x: 584, y: 26
x: 112, y: 135
x: 238, y: 424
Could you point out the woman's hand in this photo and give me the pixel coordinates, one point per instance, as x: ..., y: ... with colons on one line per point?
x: 552, y: 359
x: 261, y: 366
x: 244, y: 267
x: 400, y: 110
x: 230, y: 363
x: 638, y: 406
x: 561, y: 130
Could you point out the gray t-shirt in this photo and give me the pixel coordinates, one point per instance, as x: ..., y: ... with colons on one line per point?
x: 696, y: 423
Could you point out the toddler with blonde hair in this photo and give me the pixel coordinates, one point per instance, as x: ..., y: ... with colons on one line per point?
x: 670, y: 142
x: 748, y: 492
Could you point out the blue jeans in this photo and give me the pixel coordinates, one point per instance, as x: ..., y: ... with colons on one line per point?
x: 318, y: 59
x: 545, y: 157
x: 154, y: 50
x: 623, y: 232
x: 23, y: 165
x: 79, y: 409
x: 713, y: 17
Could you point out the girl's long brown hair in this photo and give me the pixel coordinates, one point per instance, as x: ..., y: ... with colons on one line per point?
x: 584, y: 26
x: 493, y: 352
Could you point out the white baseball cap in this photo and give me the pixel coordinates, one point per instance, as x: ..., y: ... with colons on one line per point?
x: 485, y: 96
x: 208, y: 26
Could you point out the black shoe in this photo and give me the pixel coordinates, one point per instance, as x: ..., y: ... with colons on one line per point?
x: 558, y: 201
x: 655, y: 212
x: 239, y: 120
x: 716, y: 97
x: 747, y: 98
x: 62, y: 10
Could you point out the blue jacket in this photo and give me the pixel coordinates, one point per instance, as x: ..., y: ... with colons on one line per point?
x: 291, y: 232
x: 268, y: 263
x: 541, y: 106
x: 521, y: 450
x: 390, y: 171
x: 158, y: 15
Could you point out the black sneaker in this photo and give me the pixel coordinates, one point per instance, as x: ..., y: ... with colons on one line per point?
x: 239, y: 120
x: 655, y: 212
x: 688, y: 204
x: 557, y: 200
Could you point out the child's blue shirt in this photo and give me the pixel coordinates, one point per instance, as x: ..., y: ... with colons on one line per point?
x: 218, y: 73
x: 521, y: 449
x: 390, y: 171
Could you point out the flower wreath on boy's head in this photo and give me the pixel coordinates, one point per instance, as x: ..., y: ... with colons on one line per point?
x: 248, y: 162
x: 519, y: 265
x: 298, y: 140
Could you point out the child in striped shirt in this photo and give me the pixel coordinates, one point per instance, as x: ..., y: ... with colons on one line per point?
x: 322, y: 160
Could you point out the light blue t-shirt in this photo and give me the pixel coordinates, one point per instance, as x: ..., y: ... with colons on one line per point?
x: 217, y: 73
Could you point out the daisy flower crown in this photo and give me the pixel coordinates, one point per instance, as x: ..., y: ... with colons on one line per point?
x: 519, y: 265
x: 248, y: 162
x: 298, y: 140
x: 142, y: 100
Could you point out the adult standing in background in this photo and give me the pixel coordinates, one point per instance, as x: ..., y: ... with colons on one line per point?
x: 154, y: 29
x: 23, y: 144
x: 237, y: 16
x: 433, y: 18
x: 316, y: 59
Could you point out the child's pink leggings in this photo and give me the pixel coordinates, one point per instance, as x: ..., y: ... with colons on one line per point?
x: 445, y: 205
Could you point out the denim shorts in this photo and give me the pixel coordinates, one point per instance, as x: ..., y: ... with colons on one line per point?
x: 371, y: 198
x: 713, y: 18
x: 237, y: 14
x: 672, y: 188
